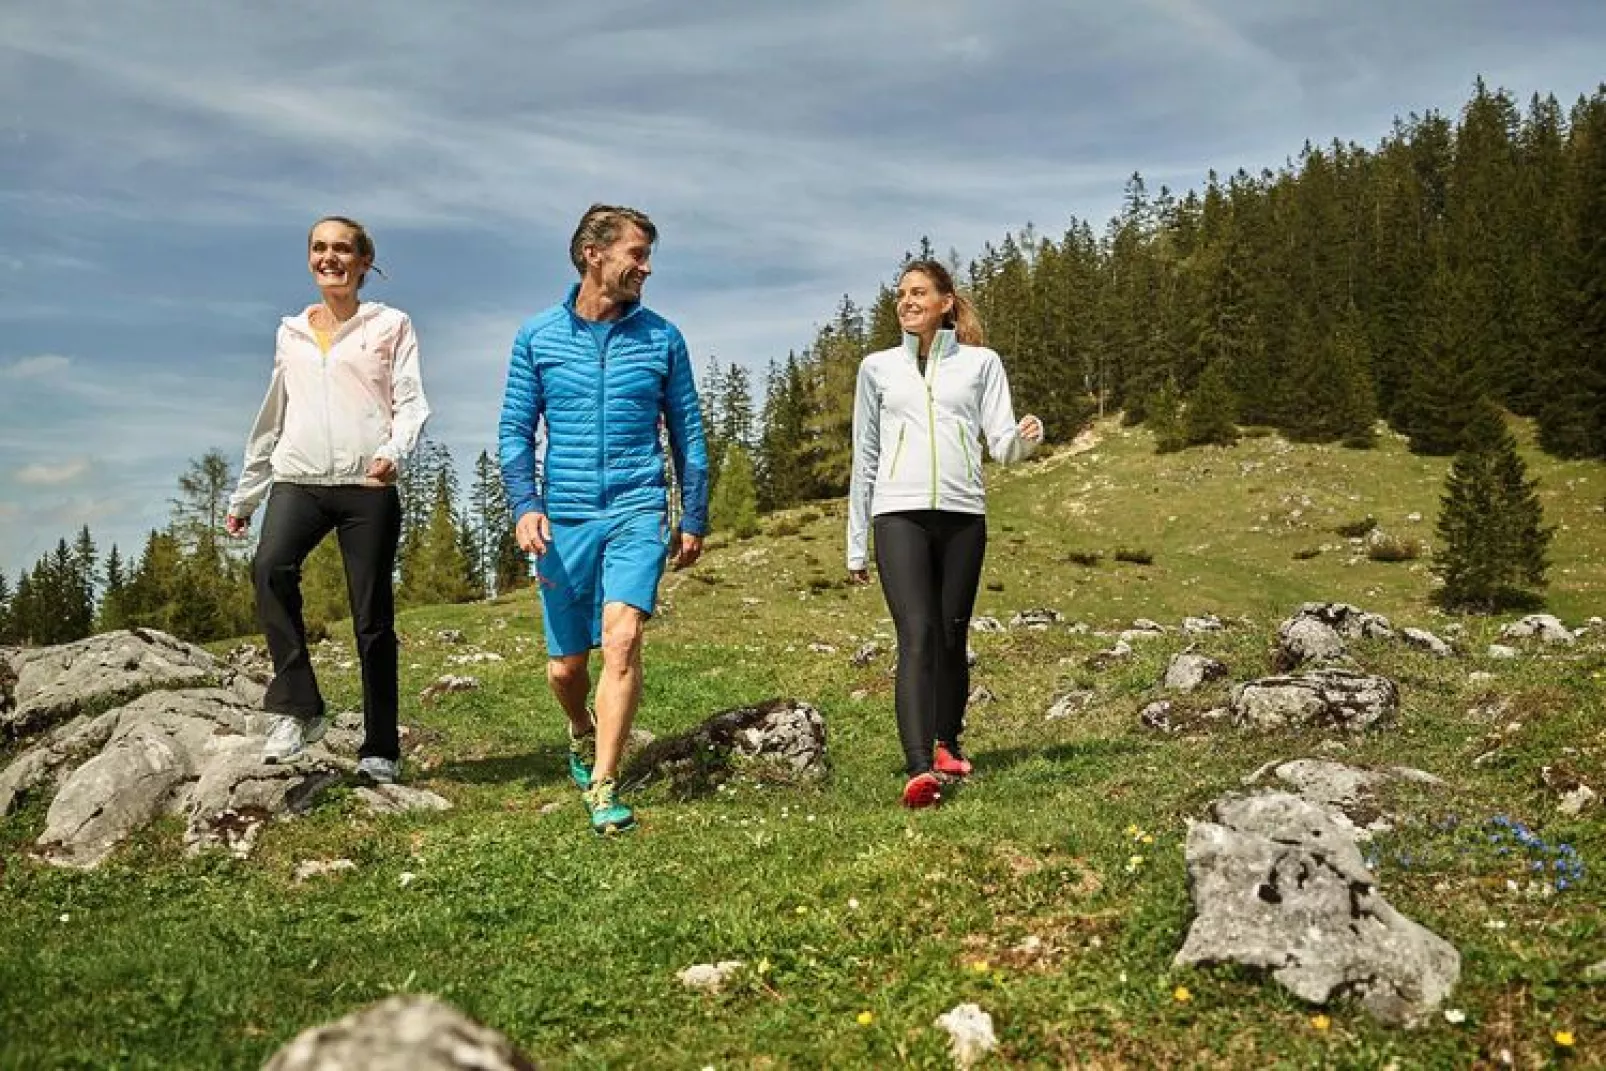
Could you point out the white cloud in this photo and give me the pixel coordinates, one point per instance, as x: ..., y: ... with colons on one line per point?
x: 47, y: 475
x: 42, y: 366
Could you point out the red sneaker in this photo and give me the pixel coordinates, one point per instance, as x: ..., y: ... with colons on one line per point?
x: 951, y: 761
x: 923, y: 790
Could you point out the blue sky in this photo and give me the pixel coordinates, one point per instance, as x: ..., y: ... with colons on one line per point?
x: 160, y: 163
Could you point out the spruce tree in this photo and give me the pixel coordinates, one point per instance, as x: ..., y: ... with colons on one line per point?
x: 1164, y: 418
x: 1210, y: 415
x: 782, y: 466
x: 112, y: 615
x: 734, y: 507
x: 23, y: 611
x: 1493, y: 540
x: 437, y: 570
x: 7, y: 632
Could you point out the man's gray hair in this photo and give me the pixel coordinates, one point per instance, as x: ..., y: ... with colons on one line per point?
x: 601, y: 227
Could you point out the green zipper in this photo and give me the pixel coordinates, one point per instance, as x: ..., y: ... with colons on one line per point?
x: 964, y: 442
x: 897, y: 452
x: 931, y: 416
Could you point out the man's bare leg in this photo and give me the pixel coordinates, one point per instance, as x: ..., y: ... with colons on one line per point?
x: 619, y: 692
x: 570, y: 679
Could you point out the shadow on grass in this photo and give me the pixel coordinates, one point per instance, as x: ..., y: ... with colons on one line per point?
x: 1089, y: 756
x: 539, y: 767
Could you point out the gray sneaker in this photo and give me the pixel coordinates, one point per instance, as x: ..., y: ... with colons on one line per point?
x: 379, y: 770
x: 288, y: 736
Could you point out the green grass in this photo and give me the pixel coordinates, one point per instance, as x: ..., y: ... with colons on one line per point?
x: 570, y: 944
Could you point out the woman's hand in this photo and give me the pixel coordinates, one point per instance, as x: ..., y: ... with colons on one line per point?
x: 382, y: 469
x: 236, y: 526
x: 858, y: 576
x: 1030, y: 429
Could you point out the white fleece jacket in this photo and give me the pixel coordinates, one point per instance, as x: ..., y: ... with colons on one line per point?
x: 328, y: 416
x: 917, y: 440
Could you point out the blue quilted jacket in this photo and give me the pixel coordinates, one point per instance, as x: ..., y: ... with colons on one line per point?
x: 600, y: 407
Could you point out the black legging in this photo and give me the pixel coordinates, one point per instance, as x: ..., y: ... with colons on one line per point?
x: 367, y: 521
x: 930, y: 564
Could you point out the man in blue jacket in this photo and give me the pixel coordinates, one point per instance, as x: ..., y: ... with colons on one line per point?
x: 600, y: 372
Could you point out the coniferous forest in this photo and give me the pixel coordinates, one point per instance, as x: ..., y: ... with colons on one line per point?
x: 1458, y: 262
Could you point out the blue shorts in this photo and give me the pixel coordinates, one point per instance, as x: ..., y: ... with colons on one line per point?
x: 589, y: 563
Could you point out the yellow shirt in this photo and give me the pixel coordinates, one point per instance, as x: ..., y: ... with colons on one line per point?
x: 324, y: 338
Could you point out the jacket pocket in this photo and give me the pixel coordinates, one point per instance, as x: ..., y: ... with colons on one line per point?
x: 897, y: 452
x: 964, y: 446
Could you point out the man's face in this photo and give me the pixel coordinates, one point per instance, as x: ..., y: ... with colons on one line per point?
x: 621, y: 269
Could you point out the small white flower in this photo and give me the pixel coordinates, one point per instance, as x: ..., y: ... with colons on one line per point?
x: 853, y: 903
x: 406, y: 878
x: 65, y: 918
x: 1455, y: 1016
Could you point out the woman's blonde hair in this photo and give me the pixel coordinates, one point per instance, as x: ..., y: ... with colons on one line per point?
x: 963, y: 319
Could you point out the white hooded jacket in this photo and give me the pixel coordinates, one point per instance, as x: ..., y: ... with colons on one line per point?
x: 327, y: 416
x: 917, y: 439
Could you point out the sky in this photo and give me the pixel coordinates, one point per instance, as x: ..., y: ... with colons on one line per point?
x: 161, y: 161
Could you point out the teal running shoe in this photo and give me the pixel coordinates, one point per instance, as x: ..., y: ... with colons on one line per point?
x: 582, y: 757
x: 608, y: 815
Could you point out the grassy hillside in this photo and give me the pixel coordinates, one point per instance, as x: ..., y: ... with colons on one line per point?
x: 844, y: 904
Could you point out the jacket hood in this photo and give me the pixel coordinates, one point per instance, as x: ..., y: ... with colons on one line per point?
x: 366, y: 311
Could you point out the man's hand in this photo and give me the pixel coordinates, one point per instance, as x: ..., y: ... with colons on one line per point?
x: 688, y: 548
x: 1030, y: 429
x: 858, y: 576
x: 382, y: 469
x: 533, y: 532
x: 236, y: 526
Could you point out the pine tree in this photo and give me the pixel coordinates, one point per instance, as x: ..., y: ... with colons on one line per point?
x: 834, y: 368
x: 85, y: 559
x: 8, y: 635
x: 1338, y: 403
x: 23, y: 611
x: 734, y: 507
x: 203, y: 498
x: 1447, y: 384
x: 1164, y: 418
x: 149, y: 598
x: 782, y: 468
x: 112, y: 615
x: 1210, y: 415
x: 437, y: 570
x: 1491, y: 523
x: 709, y: 398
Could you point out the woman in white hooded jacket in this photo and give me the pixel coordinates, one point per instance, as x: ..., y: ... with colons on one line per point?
x: 344, y: 408
x: 920, y: 415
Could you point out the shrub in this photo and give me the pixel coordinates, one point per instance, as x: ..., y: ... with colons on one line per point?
x: 1305, y: 554
x: 1087, y: 558
x: 1390, y: 548
x: 783, y: 529
x: 1135, y: 555
x: 1356, y: 529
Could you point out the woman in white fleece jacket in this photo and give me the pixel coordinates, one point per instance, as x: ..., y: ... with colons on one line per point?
x: 921, y: 413
x: 344, y: 408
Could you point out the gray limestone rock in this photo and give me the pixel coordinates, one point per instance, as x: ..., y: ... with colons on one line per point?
x: 1351, y: 622
x: 1072, y: 702
x: 404, y: 1033
x: 1427, y: 641
x: 1542, y: 627
x: 399, y: 799
x: 1277, y: 885
x: 1329, y: 698
x: 49, y: 685
x: 1038, y: 618
x: 779, y: 740
x: 1188, y: 672
x: 1207, y: 623
x: 986, y: 624
x: 1304, y: 640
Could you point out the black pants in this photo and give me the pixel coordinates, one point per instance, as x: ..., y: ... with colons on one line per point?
x: 368, y: 523
x: 930, y: 564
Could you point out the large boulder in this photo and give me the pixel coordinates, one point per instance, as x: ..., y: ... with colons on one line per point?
x: 1277, y: 885
x: 195, y: 752
x: 1351, y: 622
x: 779, y: 740
x: 1305, y: 640
x: 405, y: 1033
x: 42, y: 687
x: 1328, y: 698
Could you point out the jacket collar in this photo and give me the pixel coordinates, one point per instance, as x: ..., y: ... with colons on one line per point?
x: 574, y: 293
x: 366, y: 311
x: 942, y: 346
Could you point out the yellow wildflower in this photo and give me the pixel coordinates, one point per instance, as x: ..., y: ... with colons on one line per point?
x: 1181, y: 995
x: 1565, y: 1039
x: 865, y: 1018
x: 1320, y: 1022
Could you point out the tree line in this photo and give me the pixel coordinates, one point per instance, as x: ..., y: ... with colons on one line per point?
x: 193, y: 581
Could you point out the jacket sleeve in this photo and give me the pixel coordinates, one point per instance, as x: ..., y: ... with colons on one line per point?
x: 409, y: 409
x: 522, y: 404
x: 256, y: 470
x: 998, y: 422
x: 866, y: 459
x: 687, y: 443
